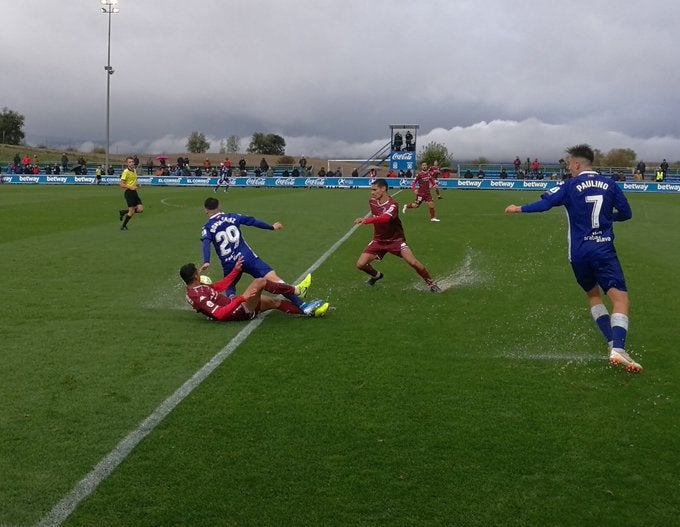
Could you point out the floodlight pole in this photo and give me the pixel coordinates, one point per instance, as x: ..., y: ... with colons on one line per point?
x: 108, y: 7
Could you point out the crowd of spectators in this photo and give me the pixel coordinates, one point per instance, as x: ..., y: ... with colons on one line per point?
x: 182, y: 168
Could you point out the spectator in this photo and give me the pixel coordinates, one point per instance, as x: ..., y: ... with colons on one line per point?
x: 527, y: 167
x: 242, y: 166
x: 149, y: 166
x: 535, y: 167
x: 295, y: 172
x: 26, y: 161
x: 410, y: 147
x: 637, y: 176
x: 17, y: 160
x: 659, y: 174
x: 303, y: 162
x: 642, y: 168
x: 64, y: 162
x: 264, y: 166
x: 391, y: 173
x: 321, y: 172
x: 398, y: 142
x: 664, y: 168
x: 481, y: 174
x: 517, y: 164
x: 468, y: 174
x: 207, y: 166
x: 504, y: 174
x: 563, y: 168
x: 135, y: 160
x: 355, y: 172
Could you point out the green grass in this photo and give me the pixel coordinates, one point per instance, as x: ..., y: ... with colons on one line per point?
x: 490, y: 404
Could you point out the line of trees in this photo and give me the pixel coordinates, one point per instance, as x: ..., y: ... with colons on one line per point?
x: 267, y: 144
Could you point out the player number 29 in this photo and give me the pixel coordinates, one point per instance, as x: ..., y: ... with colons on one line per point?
x: 227, y: 237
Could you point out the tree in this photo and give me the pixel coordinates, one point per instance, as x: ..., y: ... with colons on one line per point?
x: 620, y: 157
x: 271, y: 144
x: 233, y: 144
x: 599, y: 157
x: 11, y: 127
x: 197, y: 144
x: 435, y: 152
x: 230, y: 145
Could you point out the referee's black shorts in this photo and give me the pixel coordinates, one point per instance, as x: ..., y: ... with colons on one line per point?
x: 132, y: 198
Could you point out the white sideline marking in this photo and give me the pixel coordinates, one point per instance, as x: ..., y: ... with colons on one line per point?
x: 63, y: 509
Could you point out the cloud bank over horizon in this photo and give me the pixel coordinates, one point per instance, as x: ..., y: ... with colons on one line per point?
x: 498, y: 141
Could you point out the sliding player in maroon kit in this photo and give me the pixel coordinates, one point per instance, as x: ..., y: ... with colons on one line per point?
x: 208, y: 300
x: 388, y: 237
x: 423, y: 181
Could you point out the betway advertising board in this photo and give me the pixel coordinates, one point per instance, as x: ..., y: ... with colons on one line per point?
x: 317, y: 182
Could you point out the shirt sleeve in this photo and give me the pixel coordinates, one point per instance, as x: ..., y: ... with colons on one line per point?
x: 550, y: 199
x: 383, y: 218
x: 254, y: 222
x: 537, y: 206
x: 224, y: 312
x: 205, y: 246
x: 223, y: 284
x: 623, y: 211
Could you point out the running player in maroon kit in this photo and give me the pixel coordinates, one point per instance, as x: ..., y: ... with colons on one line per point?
x: 423, y: 181
x: 435, y: 173
x: 388, y: 237
x: 208, y: 300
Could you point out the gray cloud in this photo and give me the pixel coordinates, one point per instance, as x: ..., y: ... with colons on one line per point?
x: 491, y: 78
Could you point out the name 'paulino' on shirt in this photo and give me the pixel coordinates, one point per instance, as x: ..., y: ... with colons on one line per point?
x: 595, y: 183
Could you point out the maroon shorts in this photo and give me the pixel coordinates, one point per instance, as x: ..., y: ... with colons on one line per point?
x: 235, y: 310
x: 380, y: 249
x: 423, y: 197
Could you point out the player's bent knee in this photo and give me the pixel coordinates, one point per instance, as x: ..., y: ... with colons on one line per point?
x: 259, y: 283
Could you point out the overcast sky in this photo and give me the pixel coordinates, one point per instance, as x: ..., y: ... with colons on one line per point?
x: 493, y: 78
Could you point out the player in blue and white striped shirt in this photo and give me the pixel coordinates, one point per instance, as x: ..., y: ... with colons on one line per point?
x: 593, y: 203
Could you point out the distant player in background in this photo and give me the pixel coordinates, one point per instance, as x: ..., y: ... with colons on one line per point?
x: 593, y: 203
x: 435, y: 172
x: 421, y: 186
x: 223, y: 231
x: 128, y: 181
x: 388, y: 237
x: 206, y: 299
x: 225, y: 174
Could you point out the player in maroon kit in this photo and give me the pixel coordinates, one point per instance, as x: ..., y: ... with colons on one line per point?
x: 207, y: 299
x: 435, y: 173
x: 388, y: 237
x: 423, y: 181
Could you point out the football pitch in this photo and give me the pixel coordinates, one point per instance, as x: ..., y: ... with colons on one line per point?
x: 489, y: 404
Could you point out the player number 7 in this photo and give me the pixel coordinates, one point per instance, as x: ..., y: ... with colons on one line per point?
x: 597, y: 207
